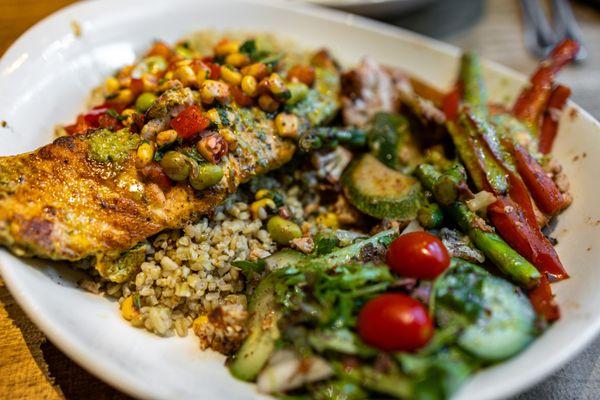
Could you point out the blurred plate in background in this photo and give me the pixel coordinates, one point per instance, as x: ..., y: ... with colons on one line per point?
x: 374, y: 8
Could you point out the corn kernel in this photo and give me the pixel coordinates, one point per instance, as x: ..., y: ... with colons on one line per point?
x: 166, y: 137
x: 226, y: 47
x: 150, y: 82
x: 145, y: 153
x: 262, y: 193
x: 230, y: 75
x: 267, y: 103
x: 237, y: 60
x: 257, y: 70
x: 124, y: 96
x: 202, y: 74
x: 249, y: 85
x: 229, y: 137
x: 128, y: 309
x: 212, y: 90
x: 213, y: 116
x: 257, y: 206
x: 127, y: 115
x: 276, y: 84
x: 185, y: 74
x: 198, y: 322
x: 183, y: 63
x: 111, y: 84
x: 169, y: 75
x: 328, y: 220
x: 287, y: 125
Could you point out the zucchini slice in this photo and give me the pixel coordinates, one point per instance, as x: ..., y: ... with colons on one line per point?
x: 391, y: 141
x: 381, y: 192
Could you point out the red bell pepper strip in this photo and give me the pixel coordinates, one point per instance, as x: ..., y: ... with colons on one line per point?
x: 543, y: 189
x: 450, y: 104
x: 525, y: 237
x: 189, y: 122
x: 557, y: 102
x: 532, y: 101
x: 543, y: 301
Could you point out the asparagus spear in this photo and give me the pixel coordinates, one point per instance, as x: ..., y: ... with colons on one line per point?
x: 471, y: 81
x: 318, y: 138
x: 430, y: 216
x: 483, y: 236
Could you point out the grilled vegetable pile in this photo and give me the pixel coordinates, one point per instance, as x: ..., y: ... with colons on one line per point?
x: 448, y: 270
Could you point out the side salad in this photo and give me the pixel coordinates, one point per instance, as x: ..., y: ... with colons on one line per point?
x: 451, y: 272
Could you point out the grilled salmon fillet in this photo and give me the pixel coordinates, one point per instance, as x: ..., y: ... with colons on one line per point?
x: 71, y: 201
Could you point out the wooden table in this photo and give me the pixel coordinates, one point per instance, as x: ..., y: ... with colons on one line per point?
x: 32, y: 368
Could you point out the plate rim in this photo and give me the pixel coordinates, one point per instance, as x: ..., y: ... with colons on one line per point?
x: 71, y: 346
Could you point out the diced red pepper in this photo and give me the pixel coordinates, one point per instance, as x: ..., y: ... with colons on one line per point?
x: 543, y: 301
x: 78, y: 127
x: 525, y: 237
x: 533, y: 99
x: 240, y: 97
x: 302, y: 73
x: 155, y: 174
x: 557, y: 102
x: 189, y: 122
x: 108, y: 122
x: 136, y: 86
x: 543, y: 189
x: 215, y: 69
x: 92, y: 117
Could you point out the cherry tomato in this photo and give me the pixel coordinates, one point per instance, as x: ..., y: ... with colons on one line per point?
x: 418, y: 255
x: 394, y: 322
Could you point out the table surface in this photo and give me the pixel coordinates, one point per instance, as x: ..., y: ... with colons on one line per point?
x: 31, y: 367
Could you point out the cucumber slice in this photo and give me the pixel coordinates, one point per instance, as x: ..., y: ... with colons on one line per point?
x: 381, y: 192
x: 283, y: 259
x: 498, y: 318
x: 260, y: 343
x: 392, y: 143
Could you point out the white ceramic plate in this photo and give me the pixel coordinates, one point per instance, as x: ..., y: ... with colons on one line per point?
x: 45, y: 78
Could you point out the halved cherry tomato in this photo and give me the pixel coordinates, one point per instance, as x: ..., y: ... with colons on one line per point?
x: 190, y: 122
x: 418, y: 255
x: 395, y: 322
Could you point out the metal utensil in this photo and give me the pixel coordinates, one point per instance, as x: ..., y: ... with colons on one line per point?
x: 540, y: 37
